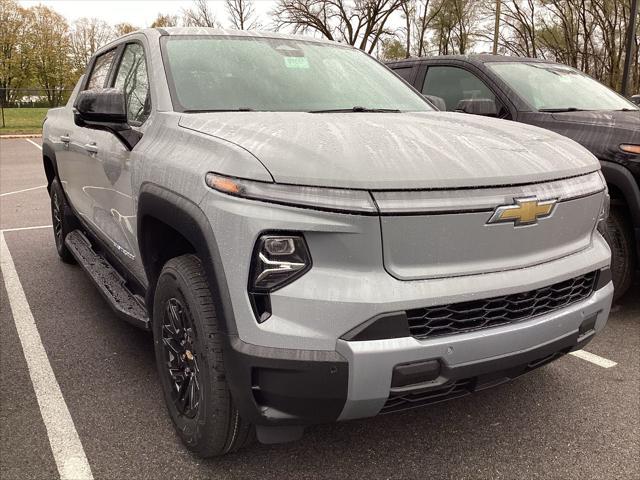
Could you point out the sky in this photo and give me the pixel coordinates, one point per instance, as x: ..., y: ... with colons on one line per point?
x: 140, y: 13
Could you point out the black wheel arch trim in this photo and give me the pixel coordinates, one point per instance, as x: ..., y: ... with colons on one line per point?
x: 189, y: 220
x: 620, y: 177
x: 49, y: 153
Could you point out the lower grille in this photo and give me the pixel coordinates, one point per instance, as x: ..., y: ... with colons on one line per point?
x: 464, y: 317
x: 408, y: 399
x: 446, y: 392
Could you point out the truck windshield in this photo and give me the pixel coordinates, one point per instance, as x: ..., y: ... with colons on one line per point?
x: 223, y: 73
x: 553, y: 87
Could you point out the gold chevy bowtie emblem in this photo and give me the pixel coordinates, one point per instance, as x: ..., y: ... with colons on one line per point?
x: 525, y: 211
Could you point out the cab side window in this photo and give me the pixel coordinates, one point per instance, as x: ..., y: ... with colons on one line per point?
x: 133, y: 81
x: 453, y: 84
x: 405, y: 72
x: 100, y: 71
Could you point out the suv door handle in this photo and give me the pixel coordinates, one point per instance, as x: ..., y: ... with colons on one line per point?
x: 65, y: 138
x: 91, y: 147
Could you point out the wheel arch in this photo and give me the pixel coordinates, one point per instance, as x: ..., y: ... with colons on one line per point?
x: 49, y: 163
x: 165, y: 209
x: 625, y: 184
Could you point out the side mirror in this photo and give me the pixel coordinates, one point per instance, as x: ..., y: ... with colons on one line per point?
x: 438, y: 102
x: 105, y: 110
x: 478, y: 106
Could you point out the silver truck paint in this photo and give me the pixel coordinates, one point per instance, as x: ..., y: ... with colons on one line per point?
x: 362, y: 265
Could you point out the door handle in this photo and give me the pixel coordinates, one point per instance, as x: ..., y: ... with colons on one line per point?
x: 65, y: 138
x: 91, y: 147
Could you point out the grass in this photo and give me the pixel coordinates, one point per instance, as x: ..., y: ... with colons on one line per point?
x: 22, y: 120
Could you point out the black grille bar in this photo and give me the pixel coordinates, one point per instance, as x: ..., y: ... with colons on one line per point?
x: 429, y: 322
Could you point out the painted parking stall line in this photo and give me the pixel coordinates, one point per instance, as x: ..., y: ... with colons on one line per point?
x: 23, y: 190
x: 593, y: 358
x: 20, y: 229
x: 66, y: 447
x: 39, y: 147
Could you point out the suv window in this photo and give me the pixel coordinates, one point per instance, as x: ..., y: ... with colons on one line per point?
x: 100, y: 70
x: 453, y: 84
x: 132, y: 79
x: 404, y: 72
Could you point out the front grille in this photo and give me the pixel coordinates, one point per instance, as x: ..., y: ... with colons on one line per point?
x: 491, y: 312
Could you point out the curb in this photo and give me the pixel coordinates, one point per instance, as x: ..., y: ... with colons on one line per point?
x: 25, y: 135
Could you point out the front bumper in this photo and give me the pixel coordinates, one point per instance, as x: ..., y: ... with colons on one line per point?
x: 275, y: 386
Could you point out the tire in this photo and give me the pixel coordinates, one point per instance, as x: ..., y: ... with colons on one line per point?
x: 62, y: 219
x: 188, y: 348
x: 620, y: 239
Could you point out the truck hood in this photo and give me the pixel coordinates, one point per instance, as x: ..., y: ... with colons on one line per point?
x: 396, y: 150
x: 623, y: 120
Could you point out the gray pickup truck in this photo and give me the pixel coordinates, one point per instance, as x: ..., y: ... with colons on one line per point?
x: 308, y: 240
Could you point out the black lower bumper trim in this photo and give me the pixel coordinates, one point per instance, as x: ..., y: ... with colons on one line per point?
x: 277, y: 386
x: 465, y: 379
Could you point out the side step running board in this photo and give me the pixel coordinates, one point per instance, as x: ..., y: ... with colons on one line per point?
x: 109, y: 282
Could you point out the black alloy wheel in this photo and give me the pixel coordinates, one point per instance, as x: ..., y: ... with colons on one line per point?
x: 181, y: 357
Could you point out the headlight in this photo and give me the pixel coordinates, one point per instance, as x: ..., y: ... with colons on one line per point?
x: 321, y: 198
x: 277, y: 261
x: 604, y: 210
x: 630, y: 148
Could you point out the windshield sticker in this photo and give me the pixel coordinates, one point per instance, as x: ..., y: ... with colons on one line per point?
x: 296, y: 62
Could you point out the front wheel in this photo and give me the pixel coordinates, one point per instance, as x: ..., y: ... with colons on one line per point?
x: 188, y: 348
x: 619, y: 236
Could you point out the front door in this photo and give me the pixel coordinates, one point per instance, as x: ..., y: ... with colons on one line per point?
x: 114, y: 204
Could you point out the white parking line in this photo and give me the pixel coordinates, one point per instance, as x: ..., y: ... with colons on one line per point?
x: 593, y: 358
x: 23, y: 190
x: 34, y: 143
x: 18, y: 229
x: 65, y: 444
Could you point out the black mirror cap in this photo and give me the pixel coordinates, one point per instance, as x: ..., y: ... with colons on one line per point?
x: 438, y: 102
x: 105, y: 109
x: 478, y: 106
x: 102, y: 106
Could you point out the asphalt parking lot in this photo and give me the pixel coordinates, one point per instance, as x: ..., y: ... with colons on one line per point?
x: 572, y: 419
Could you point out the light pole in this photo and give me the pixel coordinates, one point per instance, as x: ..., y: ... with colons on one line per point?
x: 629, y: 50
x: 496, y: 30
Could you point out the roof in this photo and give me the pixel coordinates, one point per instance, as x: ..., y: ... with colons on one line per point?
x: 225, y: 32
x: 480, y: 58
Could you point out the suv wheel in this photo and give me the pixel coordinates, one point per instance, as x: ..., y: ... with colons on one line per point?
x: 188, y: 352
x: 620, y: 239
x: 62, y: 219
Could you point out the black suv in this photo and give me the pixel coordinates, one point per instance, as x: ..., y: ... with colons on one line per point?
x: 560, y: 98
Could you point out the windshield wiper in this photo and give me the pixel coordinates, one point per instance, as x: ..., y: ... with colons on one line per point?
x: 241, y: 109
x: 358, y: 110
x: 561, y: 110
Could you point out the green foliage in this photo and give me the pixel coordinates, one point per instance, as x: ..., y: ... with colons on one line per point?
x: 392, y: 49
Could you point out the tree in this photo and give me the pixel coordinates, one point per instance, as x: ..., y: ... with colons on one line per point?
x: 242, y: 14
x: 87, y: 35
x: 165, y: 21
x: 361, y: 23
x: 425, y: 13
x: 49, y: 36
x: 124, y: 28
x: 14, y: 50
x: 455, y: 25
x: 519, y: 20
x: 199, y: 16
x: 392, y: 49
